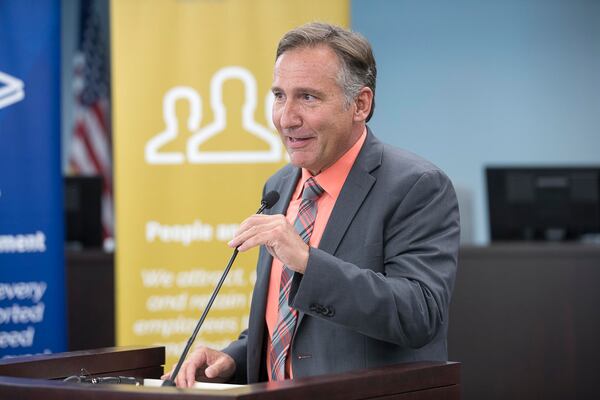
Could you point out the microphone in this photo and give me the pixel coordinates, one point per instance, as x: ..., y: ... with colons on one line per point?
x: 267, y: 202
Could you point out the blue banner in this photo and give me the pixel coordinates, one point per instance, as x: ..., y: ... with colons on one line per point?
x: 32, y: 288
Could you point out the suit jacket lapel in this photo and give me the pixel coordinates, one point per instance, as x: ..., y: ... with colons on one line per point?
x: 285, y: 186
x: 356, y: 188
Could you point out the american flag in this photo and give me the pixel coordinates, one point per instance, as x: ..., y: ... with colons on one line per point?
x: 90, y: 151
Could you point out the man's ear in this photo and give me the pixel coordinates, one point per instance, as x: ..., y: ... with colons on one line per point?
x: 363, y: 103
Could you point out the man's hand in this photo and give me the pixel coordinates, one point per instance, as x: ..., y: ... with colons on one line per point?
x: 204, y: 364
x: 279, y: 237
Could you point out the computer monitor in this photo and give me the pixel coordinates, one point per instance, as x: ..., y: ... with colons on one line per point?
x: 544, y: 203
x: 83, y: 221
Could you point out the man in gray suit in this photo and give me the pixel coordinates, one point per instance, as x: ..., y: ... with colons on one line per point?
x: 372, y: 285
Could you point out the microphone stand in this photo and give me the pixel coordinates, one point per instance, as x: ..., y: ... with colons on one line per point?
x: 171, y: 380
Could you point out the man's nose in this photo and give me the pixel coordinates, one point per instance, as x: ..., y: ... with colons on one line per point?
x: 289, y: 117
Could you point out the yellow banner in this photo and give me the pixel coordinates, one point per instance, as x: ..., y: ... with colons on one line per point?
x: 193, y: 145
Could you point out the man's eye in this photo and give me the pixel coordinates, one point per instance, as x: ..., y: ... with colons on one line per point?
x: 278, y: 95
x: 308, y: 97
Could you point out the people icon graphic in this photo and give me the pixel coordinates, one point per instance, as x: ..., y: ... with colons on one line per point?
x: 153, y: 156
x: 201, y: 134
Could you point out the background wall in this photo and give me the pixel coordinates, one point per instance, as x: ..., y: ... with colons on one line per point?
x: 471, y: 83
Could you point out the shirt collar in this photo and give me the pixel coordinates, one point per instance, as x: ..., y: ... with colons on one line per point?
x: 332, y: 178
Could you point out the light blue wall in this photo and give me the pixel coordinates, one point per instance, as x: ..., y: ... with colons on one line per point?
x: 469, y: 83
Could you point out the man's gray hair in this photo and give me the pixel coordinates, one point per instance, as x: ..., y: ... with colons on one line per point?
x: 358, y: 67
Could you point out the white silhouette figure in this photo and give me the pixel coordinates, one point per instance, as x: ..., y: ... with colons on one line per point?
x: 153, y: 156
x: 195, y: 155
x: 12, y: 91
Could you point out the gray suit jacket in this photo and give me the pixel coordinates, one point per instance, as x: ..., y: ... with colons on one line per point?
x: 377, y: 289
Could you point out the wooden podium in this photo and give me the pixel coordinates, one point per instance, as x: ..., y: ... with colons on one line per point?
x: 40, y: 377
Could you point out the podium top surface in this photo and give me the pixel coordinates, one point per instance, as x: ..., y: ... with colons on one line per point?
x: 40, y: 377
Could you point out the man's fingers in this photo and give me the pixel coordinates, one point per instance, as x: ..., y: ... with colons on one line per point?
x: 256, y: 240
x: 213, y: 371
x: 251, y: 221
x: 242, y: 236
x: 187, y: 374
x: 180, y: 378
x: 253, y: 227
x: 204, y: 362
x: 190, y: 375
x: 220, y: 368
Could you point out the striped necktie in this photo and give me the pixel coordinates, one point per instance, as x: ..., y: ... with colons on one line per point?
x: 287, y: 316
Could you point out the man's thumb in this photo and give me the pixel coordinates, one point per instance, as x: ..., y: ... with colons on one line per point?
x: 213, y: 371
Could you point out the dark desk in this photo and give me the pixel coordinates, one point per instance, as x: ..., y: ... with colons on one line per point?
x: 525, y: 323
x: 90, y: 299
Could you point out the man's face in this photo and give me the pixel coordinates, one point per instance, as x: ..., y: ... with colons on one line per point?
x: 309, y: 110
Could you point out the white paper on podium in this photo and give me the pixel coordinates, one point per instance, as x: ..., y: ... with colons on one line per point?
x: 198, y: 385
